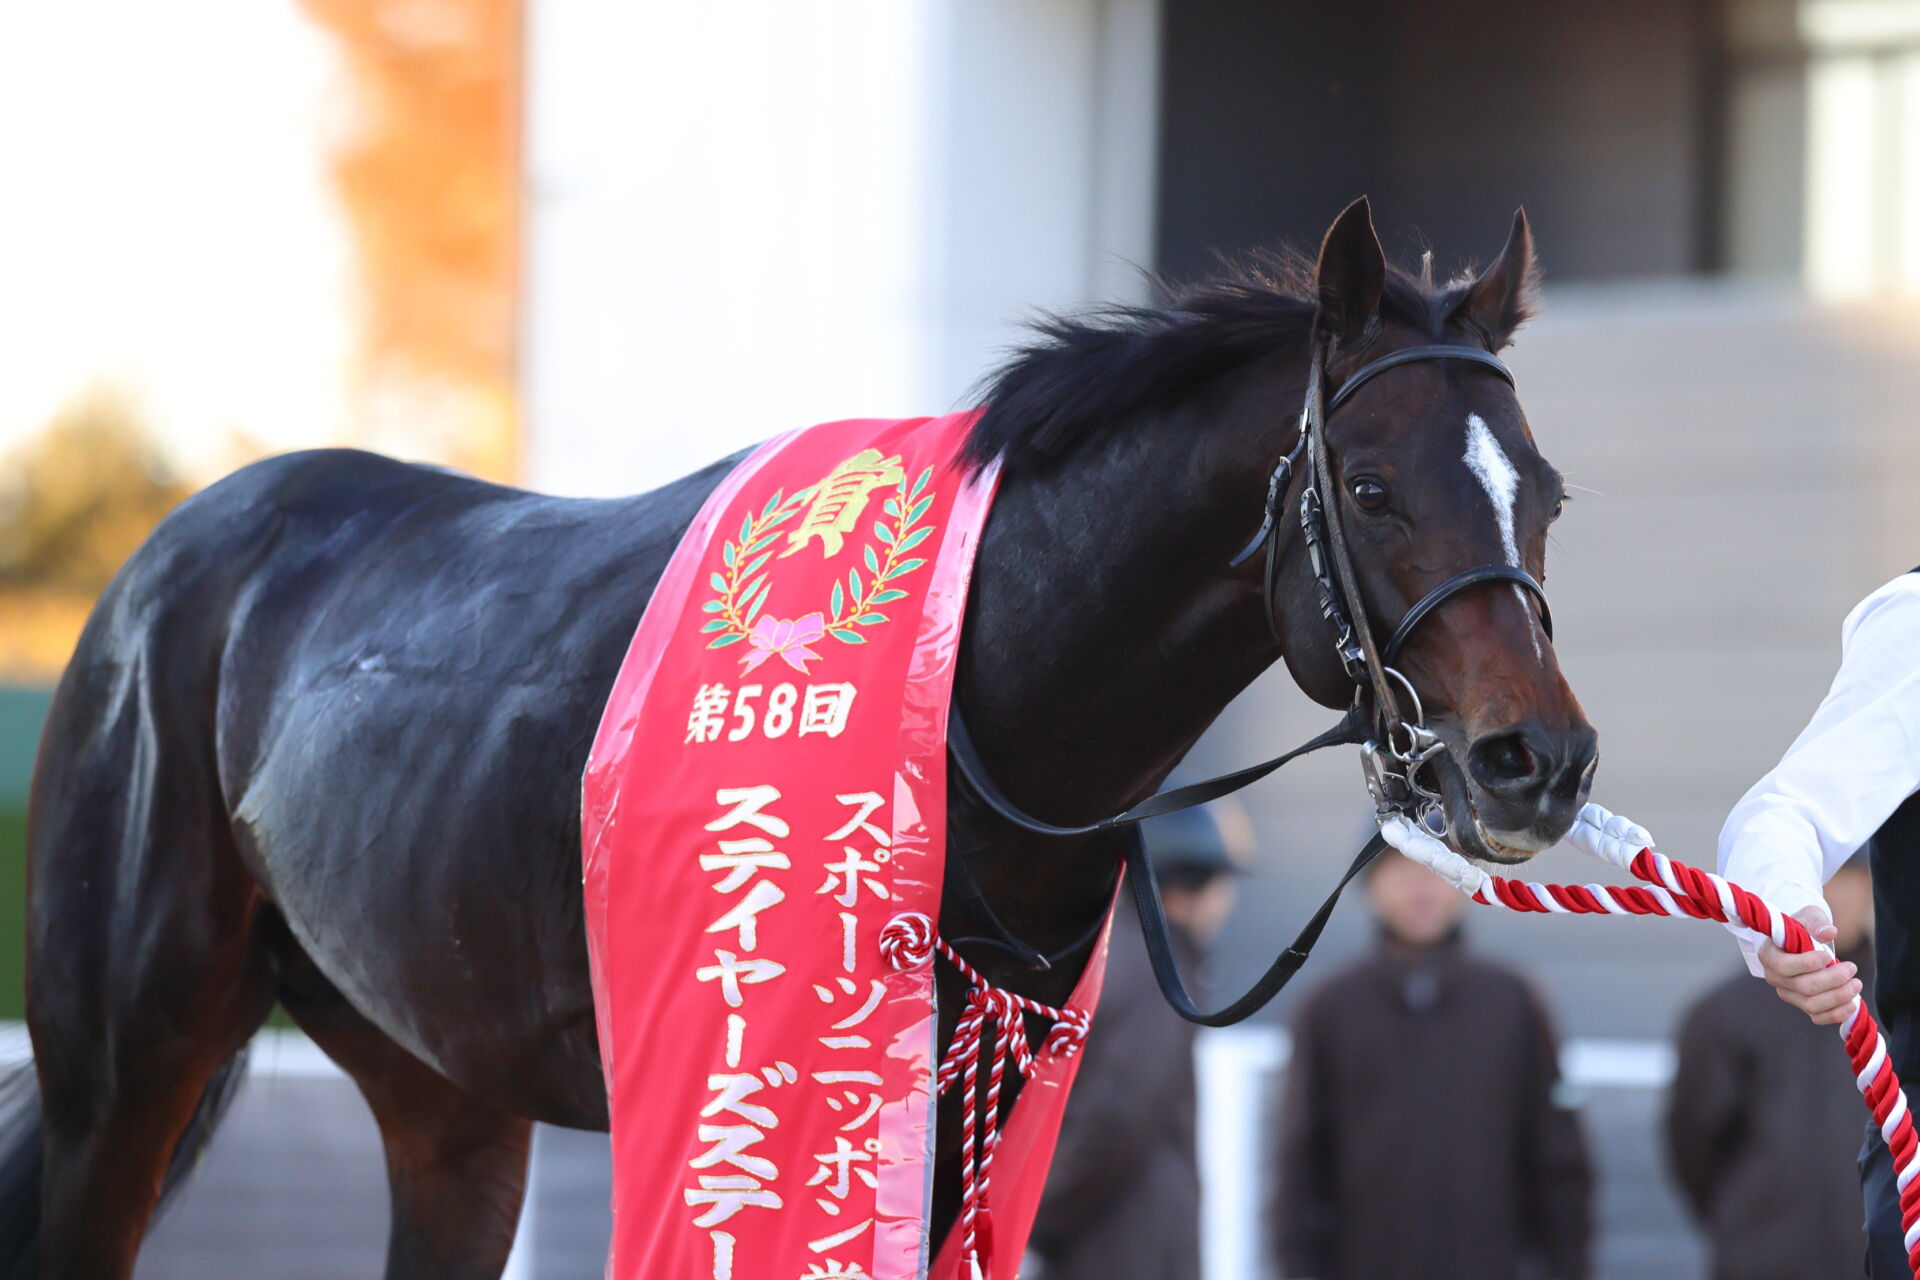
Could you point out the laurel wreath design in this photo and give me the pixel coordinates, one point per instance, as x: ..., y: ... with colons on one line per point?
x: 741, y: 591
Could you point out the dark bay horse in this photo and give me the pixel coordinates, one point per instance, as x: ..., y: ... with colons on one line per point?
x: 321, y: 742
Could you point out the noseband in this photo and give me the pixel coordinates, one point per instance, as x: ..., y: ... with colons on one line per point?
x: 1395, y: 745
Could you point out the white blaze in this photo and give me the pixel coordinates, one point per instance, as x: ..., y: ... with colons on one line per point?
x: 1488, y: 462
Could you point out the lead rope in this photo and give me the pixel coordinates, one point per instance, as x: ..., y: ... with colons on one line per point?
x: 1681, y: 890
x: 910, y: 942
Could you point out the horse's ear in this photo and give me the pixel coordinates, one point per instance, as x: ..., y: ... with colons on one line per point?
x: 1352, y: 272
x: 1503, y: 298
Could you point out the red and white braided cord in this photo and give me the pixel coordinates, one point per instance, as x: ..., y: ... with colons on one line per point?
x: 1681, y: 890
x: 908, y: 942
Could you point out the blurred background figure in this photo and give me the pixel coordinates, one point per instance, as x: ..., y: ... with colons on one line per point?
x: 1424, y: 1134
x: 1123, y: 1197
x: 1764, y: 1123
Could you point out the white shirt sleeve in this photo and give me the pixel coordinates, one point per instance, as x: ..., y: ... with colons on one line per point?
x: 1850, y: 768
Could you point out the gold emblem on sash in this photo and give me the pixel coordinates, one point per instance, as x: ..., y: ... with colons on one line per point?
x: 855, y: 599
x: 839, y: 499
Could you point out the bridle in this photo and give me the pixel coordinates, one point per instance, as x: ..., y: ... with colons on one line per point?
x: 1401, y: 745
x: 1396, y: 744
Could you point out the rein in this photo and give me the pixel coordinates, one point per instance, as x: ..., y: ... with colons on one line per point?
x: 1395, y: 747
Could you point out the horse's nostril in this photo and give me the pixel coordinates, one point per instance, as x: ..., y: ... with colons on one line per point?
x: 1504, y: 762
x: 1582, y: 761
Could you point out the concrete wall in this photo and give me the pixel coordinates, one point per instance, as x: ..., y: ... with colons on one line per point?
x: 752, y: 217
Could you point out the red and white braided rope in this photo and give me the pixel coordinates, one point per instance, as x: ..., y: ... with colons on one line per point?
x: 908, y: 942
x: 1680, y: 890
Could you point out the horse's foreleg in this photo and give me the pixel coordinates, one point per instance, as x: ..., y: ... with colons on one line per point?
x: 456, y: 1167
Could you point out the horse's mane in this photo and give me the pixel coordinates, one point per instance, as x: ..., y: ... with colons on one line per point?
x: 1079, y: 374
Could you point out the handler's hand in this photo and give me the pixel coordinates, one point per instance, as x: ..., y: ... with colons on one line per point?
x: 1809, y: 981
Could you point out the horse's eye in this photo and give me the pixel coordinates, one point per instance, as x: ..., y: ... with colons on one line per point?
x: 1559, y: 505
x: 1369, y: 495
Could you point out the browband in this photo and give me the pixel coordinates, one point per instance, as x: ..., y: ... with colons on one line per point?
x: 1409, y: 355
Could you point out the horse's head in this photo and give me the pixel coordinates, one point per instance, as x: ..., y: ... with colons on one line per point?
x: 1436, y: 473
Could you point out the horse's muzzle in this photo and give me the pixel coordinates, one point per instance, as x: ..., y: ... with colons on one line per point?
x: 1528, y: 783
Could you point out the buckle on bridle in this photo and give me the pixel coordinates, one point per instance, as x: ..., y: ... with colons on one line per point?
x: 1393, y: 780
x: 1277, y: 485
x: 1385, y: 783
x: 1333, y: 608
x: 1393, y: 761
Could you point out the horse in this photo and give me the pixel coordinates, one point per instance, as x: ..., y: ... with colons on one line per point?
x: 321, y: 740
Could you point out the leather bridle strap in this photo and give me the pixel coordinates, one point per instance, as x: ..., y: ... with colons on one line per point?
x: 1153, y: 929
x: 1413, y: 355
x: 1455, y: 585
x: 1349, y: 731
x: 1320, y: 484
x: 1283, y: 472
x: 1377, y: 660
x: 1146, y: 887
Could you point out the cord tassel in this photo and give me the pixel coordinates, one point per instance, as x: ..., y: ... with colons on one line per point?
x: 977, y: 1049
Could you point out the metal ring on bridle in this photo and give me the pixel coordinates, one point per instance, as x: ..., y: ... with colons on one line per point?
x: 1418, y: 720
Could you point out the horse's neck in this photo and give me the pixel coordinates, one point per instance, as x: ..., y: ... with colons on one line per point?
x: 1108, y: 632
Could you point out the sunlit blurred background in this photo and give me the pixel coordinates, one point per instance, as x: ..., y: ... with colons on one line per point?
x: 588, y: 247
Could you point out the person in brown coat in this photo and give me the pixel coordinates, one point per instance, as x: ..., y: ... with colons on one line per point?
x: 1423, y: 1130
x: 1764, y: 1123
x: 1123, y: 1196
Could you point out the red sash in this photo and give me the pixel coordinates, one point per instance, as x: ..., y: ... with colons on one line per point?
x: 766, y: 795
